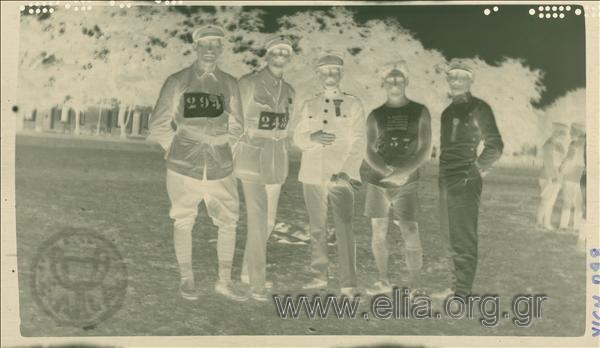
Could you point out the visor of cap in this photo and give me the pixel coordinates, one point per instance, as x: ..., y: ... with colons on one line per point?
x: 328, y: 60
x: 459, y: 65
x: 279, y: 42
x: 206, y: 32
x: 559, y: 125
x: 394, y: 68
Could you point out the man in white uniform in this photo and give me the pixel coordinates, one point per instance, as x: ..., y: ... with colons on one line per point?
x: 262, y: 160
x: 197, y: 119
x: 332, y: 136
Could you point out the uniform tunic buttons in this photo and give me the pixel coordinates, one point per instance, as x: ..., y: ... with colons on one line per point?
x: 325, y: 121
x: 327, y: 100
x: 325, y: 111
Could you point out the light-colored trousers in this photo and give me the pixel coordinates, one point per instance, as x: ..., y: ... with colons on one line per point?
x: 222, y: 204
x: 261, y: 208
x: 341, y: 197
x: 548, y: 194
x: 572, y: 200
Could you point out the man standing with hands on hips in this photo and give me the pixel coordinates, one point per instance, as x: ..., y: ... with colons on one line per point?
x: 261, y: 161
x: 398, y: 143
x: 197, y: 119
x: 465, y: 123
x: 331, y: 135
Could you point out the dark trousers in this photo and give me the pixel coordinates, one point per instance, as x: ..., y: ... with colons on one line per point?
x: 459, y: 211
x: 341, y: 198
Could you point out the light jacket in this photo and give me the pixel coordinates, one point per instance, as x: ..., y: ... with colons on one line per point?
x: 333, y: 112
x: 268, y: 103
x: 197, y: 119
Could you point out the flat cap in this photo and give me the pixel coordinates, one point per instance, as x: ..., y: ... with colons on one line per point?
x: 208, y: 32
x: 330, y: 59
x: 279, y: 42
x: 459, y: 64
x: 394, y: 68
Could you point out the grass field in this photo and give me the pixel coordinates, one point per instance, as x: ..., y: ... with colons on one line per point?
x: 118, y: 190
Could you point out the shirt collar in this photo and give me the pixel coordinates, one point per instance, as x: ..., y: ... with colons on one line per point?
x: 201, y: 72
x: 268, y: 74
x: 332, y: 92
x: 463, y: 98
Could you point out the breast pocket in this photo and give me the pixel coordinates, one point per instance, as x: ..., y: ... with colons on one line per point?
x: 262, y: 99
x: 184, y: 152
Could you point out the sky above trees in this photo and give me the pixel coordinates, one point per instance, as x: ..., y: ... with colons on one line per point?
x: 555, y: 46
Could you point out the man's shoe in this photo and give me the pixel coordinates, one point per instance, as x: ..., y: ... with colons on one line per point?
x: 351, y: 293
x: 246, y: 280
x: 379, y: 287
x: 442, y: 295
x: 315, y: 284
x: 418, y: 292
x: 228, y: 289
x: 259, y: 295
x: 187, y: 289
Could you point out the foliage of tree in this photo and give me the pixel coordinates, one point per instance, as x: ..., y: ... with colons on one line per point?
x: 111, y: 56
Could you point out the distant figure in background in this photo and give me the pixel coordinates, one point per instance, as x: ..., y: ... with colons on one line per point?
x: 433, y: 153
x: 64, y: 114
x: 583, y: 185
x: 549, y: 180
x: 583, y: 181
x: 571, y: 170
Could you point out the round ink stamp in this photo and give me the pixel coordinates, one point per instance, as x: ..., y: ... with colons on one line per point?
x: 79, y: 278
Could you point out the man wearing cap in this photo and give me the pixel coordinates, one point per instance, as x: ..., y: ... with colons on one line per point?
x: 261, y: 161
x: 465, y: 123
x: 197, y: 119
x: 571, y: 170
x: 550, y: 182
x: 331, y: 135
x: 398, y: 143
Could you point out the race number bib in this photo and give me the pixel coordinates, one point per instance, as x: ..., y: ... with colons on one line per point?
x: 273, y: 120
x: 202, y: 105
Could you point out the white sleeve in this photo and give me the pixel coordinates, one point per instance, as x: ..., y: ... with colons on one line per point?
x: 302, y: 131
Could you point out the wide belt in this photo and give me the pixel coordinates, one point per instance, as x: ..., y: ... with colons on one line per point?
x: 275, y: 134
x: 203, y: 137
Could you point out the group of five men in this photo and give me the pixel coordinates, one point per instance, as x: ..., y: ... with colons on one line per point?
x: 216, y: 130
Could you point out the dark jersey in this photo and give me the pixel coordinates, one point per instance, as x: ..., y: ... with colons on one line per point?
x: 465, y: 124
x: 397, y: 137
